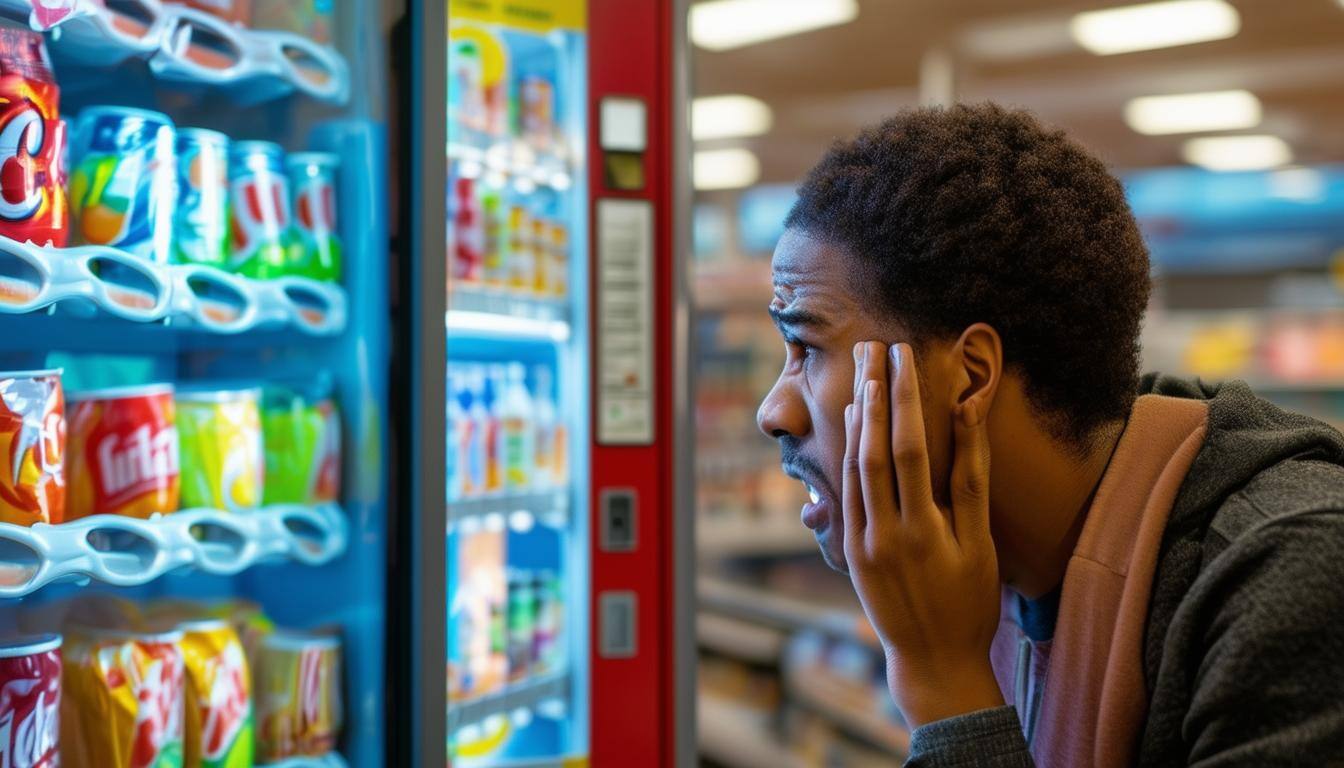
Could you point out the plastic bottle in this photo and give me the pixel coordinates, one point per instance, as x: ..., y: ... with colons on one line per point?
x: 472, y: 397
x: 469, y: 233
x: 516, y: 416
x: 521, y: 260
x: 492, y: 395
x: 494, y: 268
x: 456, y: 419
x: 543, y: 426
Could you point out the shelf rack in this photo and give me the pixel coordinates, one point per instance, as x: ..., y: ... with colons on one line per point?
x: 329, y: 760
x: 252, y: 66
x: 492, y: 313
x: 521, y: 695
x: 126, y: 551
x: 547, y: 505
x: 93, y: 279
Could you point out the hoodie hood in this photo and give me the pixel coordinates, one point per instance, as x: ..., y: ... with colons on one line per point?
x: 1246, y: 435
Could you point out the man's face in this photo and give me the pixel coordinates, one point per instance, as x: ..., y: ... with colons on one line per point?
x: 821, y: 319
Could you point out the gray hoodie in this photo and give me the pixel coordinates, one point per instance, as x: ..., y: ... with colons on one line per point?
x: 1244, y: 645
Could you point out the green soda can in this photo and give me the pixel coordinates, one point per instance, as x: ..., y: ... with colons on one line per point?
x: 317, y: 249
x: 259, y: 210
x: 202, y: 220
x: 302, y: 443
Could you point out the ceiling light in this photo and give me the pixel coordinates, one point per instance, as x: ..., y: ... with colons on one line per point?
x: 728, y: 116
x: 1237, y: 153
x: 723, y: 24
x: 725, y: 169
x: 1193, y: 112
x: 1154, y: 25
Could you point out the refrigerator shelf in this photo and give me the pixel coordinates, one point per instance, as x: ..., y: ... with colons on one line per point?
x: 498, y: 314
x: 329, y: 760
x: 523, y: 695
x: 551, y: 505
x: 512, y: 161
x: 127, y: 551
x: 91, y: 278
x: 186, y: 45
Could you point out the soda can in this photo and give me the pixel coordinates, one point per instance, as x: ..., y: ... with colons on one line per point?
x: 30, y: 701
x: 218, y: 730
x: 317, y: 249
x: 32, y: 181
x: 123, y: 188
x: 202, y: 235
x: 298, y: 695
x: 124, y: 699
x: 32, y: 447
x: 258, y: 210
x: 302, y: 443
x: 123, y: 452
x: 219, y: 433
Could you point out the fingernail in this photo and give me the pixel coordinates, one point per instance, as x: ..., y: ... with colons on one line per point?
x: 895, y: 350
x: 871, y: 391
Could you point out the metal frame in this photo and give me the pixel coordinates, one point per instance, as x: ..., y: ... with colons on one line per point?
x: 417, y: 591
x: 685, y: 658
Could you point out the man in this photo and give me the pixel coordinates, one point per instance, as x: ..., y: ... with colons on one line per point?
x: 1065, y: 565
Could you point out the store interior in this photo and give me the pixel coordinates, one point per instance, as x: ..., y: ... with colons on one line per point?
x: 1224, y: 120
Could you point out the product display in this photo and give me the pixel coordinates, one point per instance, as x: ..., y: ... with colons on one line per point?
x: 123, y: 452
x: 316, y: 248
x: 218, y: 726
x: 32, y: 447
x: 202, y: 224
x: 32, y: 143
x: 497, y: 242
x: 122, y: 704
x: 30, y: 701
x: 123, y: 185
x: 219, y: 432
x: 298, y: 694
x: 259, y: 207
x: 503, y: 436
x: 302, y: 442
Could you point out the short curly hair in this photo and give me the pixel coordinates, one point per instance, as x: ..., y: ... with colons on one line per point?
x: 977, y: 213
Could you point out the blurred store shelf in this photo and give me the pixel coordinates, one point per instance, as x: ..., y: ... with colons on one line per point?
x: 740, y: 536
x: 498, y: 314
x: 848, y: 705
x: 549, y: 506
x: 752, y: 604
x: 526, y: 695
x: 515, y: 161
x: 739, y: 736
x: 127, y: 551
x: 739, y: 639
x: 733, y: 285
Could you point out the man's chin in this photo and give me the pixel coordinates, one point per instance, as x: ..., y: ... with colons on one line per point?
x: 833, y: 555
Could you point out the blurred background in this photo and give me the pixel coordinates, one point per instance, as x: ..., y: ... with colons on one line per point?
x: 1225, y: 121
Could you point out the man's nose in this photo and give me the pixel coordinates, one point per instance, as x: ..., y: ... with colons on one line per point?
x: 782, y: 412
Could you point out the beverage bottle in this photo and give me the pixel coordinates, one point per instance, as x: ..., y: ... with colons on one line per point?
x: 472, y: 443
x: 469, y: 234
x: 492, y: 208
x: 491, y: 432
x: 516, y: 421
x: 522, y: 621
x: 456, y: 418
x: 544, y: 636
x: 541, y: 260
x: 559, y: 256
x: 521, y: 261
x: 543, y: 421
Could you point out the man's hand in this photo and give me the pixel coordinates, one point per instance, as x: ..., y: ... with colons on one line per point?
x: 927, y: 577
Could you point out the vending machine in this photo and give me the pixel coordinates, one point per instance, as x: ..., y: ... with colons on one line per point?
x: 569, y: 637
x: 195, y: 318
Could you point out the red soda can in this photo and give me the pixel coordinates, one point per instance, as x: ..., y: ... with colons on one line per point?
x: 32, y: 447
x: 32, y: 139
x: 122, y: 446
x: 30, y: 702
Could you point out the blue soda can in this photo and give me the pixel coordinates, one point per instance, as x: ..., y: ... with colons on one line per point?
x: 202, y: 234
x: 259, y: 209
x: 123, y: 184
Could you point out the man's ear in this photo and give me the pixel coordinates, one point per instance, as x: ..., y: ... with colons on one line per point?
x: 978, y: 365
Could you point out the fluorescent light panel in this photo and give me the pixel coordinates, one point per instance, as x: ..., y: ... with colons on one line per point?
x: 729, y: 116
x: 1193, y: 112
x: 1154, y: 25
x: 1237, y: 153
x: 725, y: 169
x: 721, y: 25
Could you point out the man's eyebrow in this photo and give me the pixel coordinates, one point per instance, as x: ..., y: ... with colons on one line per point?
x: 795, y: 317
